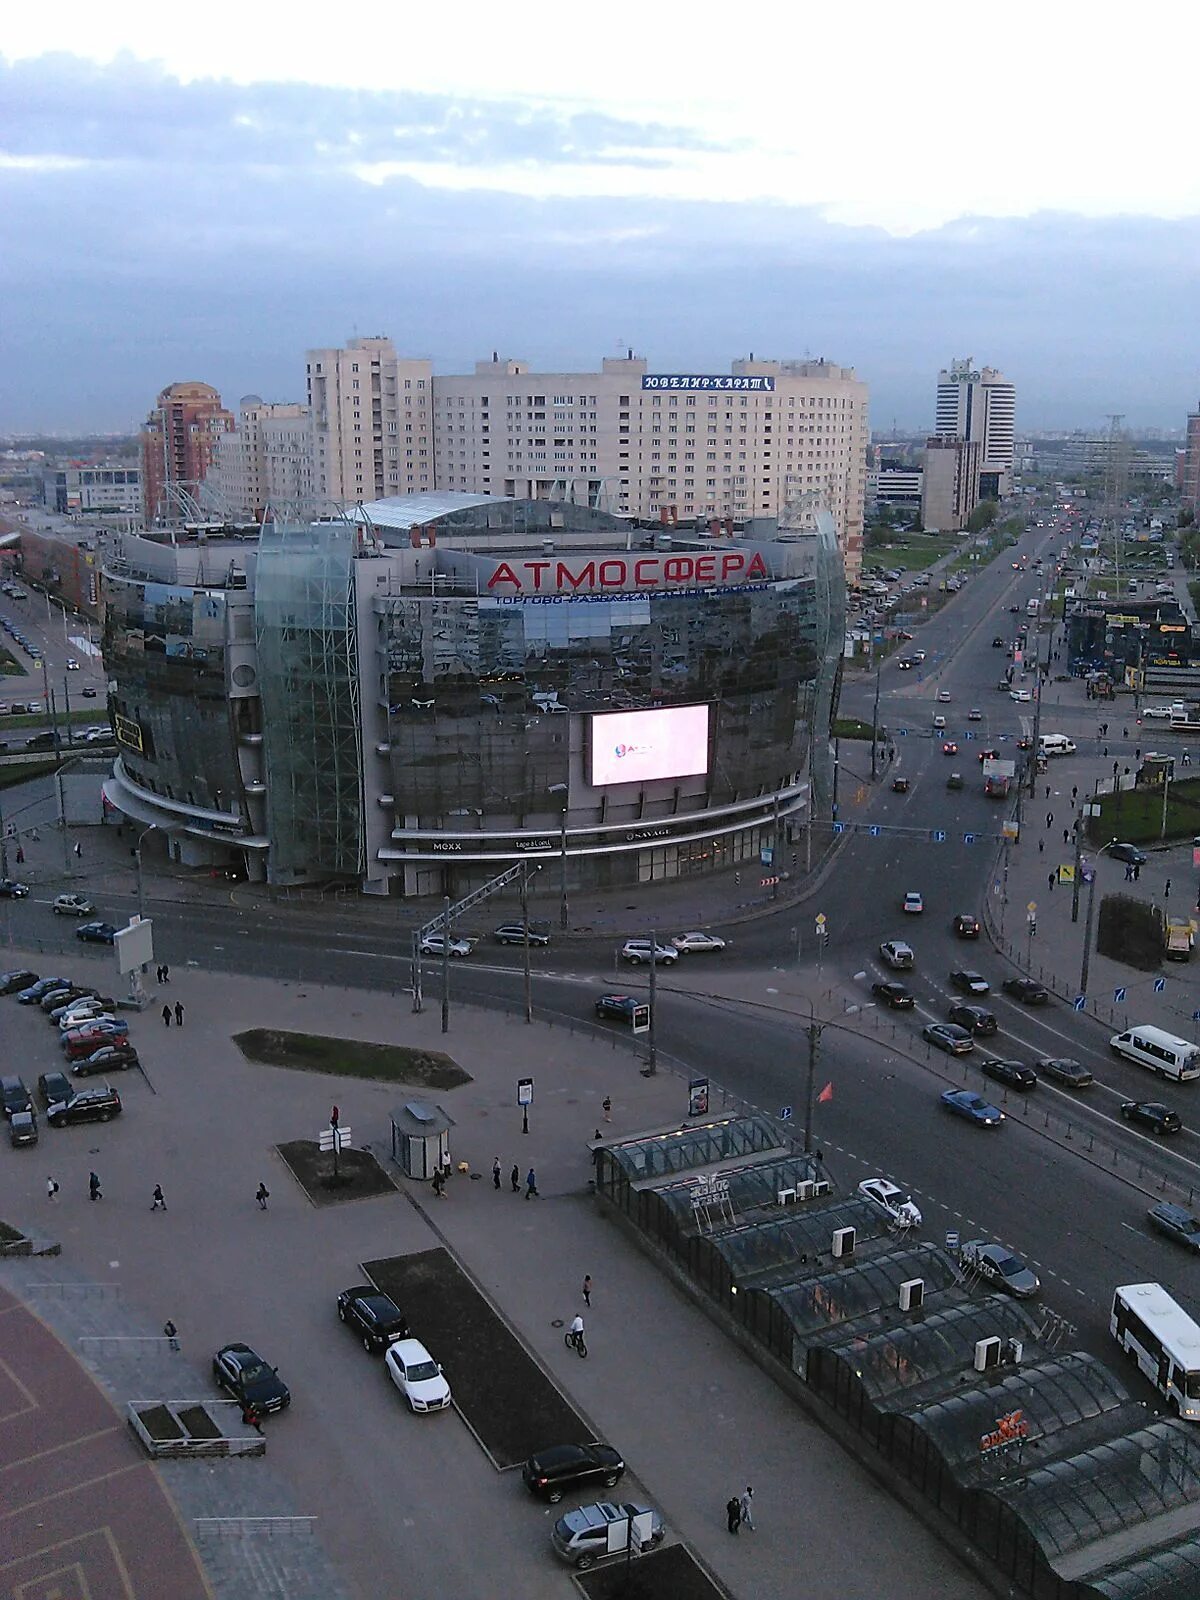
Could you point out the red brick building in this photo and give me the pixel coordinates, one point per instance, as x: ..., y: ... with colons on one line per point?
x: 179, y: 442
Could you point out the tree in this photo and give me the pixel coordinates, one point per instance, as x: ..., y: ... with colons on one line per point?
x: 982, y: 517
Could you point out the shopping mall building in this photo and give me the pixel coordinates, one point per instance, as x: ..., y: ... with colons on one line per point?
x: 414, y: 696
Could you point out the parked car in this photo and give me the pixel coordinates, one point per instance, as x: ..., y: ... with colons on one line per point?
x: 1151, y: 1115
x: 896, y: 954
x: 550, y: 1473
x: 913, y: 903
x: 54, y: 1087
x: 580, y: 1537
x: 89, y: 1016
x: 115, y: 1057
x: 96, y: 932
x: 72, y: 905
x: 86, y: 1041
x: 1177, y: 1223
x: 889, y: 1198
x: 1128, y: 853
x: 433, y: 943
x: 98, y: 1104
x: 41, y: 986
x: 59, y: 1001
x: 996, y: 1264
x: 690, y: 942
x: 375, y: 1317
x: 14, y: 1095
x: 964, y: 1103
x: 617, y: 1006
x: 417, y: 1375
x: 22, y: 1128
x: 15, y: 979
x: 637, y: 950
x: 977, y: 1020
x: 1026, y: 990
x: 248, y: 1378
x: 10, y: 889
x: 948, y: 1036
x: 514, y: 933
x: 1062, y: 1069
x: 895, y: 995
x: 1013, y: 1074
x: 967, y: 981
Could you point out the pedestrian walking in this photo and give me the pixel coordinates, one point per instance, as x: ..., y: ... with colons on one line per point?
x: 334, y: 1116
x: 531, y: 1188
x: 166, y: 973
x: 439, y: 1183
x: 1041, y: 847
x: 78, y: 851
x: 1137, y: 754
x: 733, y: 1513
x: 250, y: 1417
x: 1049, y: 819
x: 1124, y: 733
x: 514, y: 1178
x: 1167, y: 890
x: 1137, y: 871
x: 158, y: 974
x: 587, y: 1288
x: 159, y: 1202
x: 166, y: 1016
x: 171, y: 1334
x: 606, y: 1107
x: 52, y: 1190
x: 1128, y: 872
x: 496, y: 1173
x: 746, y: 1508
x: 1051, y: 878
x: 1187, y: 761
x: 21, y: 853
x: 1047, y: 791
x: 1066, y: 835
x: 94, y: 1187
x: 179, y: 1020
x: 262, y: 1194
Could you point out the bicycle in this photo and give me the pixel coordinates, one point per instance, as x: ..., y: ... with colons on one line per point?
x: 575, y: 1341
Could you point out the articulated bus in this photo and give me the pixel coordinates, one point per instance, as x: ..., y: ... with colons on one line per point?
x: 1157, y: 1333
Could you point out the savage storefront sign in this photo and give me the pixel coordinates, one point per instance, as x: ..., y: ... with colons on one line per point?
x: 627, y: 572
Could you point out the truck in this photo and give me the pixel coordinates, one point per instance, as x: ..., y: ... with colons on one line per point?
x: 1178, y: 938
x: 997, y: 778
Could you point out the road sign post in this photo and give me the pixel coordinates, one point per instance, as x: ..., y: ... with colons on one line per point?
x: 524, y: 1100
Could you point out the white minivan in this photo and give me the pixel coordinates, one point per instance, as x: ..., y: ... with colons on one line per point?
x: 1161, y: 1052
x: 1056, y: 744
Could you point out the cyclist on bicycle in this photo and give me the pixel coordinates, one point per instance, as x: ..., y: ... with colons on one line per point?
x: 576, y: 1330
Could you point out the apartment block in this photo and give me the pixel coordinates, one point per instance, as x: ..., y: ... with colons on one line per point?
x: 1190, y: 485
x: 179, y: 444
x: 372, y: 422
x: 267, y: 458
x: 949, y: 483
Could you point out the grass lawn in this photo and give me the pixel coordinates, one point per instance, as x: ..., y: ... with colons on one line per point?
x: 912, y: 553
x: 350, y: 1058
x: 851, y: 728
x: 670, y: 1574
x: 359, y: 1175
x: 88, y: 716
x: 1136, y: 814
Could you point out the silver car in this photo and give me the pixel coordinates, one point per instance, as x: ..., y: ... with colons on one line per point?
x: 997, y: 1265
x: 638, y: 950
x: 432, y: 945
x: 697, y: 941
x: 581, y: 1536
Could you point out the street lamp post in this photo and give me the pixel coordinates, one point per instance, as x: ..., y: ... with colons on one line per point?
x: 563, y: 792
x: 525, y: 942
x: 141, y: 899
x: 814, y: 1030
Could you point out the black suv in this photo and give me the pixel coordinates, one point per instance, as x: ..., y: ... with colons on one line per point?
x: 54, y: 1087
x: 1013, y: 1073
x: 550, y: 1473
x: 975, y: 1019
x: 14, y: 1094
x: 896, y: 995
x: 85, y: 1105
x: 374, y: 1316
x: 1026, y: 990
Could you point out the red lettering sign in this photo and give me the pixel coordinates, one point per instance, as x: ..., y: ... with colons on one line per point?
x: 1008, y: 1430
x: 615, y: 572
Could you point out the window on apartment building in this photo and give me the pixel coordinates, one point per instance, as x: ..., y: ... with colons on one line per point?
x: 354, y: 368
x: 623, y: 400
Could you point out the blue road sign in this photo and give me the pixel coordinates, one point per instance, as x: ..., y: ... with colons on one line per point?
x: 968, y: 838
x: 1159, y: 985
x: 874, y: 830
x: 785, y: 1113
x: 1118, y: 997
x: 839, y: 827
x: 951, y: 1238
x: 1196, y: 1016
x: 903, y: 733
x: 970, y: 734
x: 939, y: 836
x: 1079, y: 1002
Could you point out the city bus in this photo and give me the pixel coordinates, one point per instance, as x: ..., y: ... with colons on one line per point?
x: 1157, y: 1333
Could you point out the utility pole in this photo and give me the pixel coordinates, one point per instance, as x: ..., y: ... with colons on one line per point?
x: 525, y: 931
x: 1078, y: 867
x: 446, y: 964
x: 1162, y: 832
x: 875, y: 713
x: 652, y: 1042
x: 814, y: 1045
x: 1037, y: 715
x: 777, y: 850
x: 1087, y: 936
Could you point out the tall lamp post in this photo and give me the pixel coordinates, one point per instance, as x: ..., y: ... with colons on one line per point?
x: 562, y: 791
x: 141, y: 899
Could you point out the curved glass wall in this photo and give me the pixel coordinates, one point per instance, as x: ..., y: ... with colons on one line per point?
x: 308, y: 668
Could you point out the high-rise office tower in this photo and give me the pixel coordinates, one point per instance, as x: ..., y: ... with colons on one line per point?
x: 179, y: 443
x: 1191, y: 463
x: 980, y: 405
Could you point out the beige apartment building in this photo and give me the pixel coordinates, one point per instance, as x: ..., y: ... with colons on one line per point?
x: 267, y: 459
x: 746, y: 443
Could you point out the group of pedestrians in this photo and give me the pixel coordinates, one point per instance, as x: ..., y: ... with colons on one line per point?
x: 514, y: 1178
x: 158, y: 1200
x: 739, y: 1511
x: 166, y: 1013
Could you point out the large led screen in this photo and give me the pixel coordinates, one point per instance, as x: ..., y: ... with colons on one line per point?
x: 637, y: 746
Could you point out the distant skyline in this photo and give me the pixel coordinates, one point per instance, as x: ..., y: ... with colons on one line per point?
x: 169, y: 211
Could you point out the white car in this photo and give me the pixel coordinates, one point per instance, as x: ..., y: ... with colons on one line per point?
x: 697, y: 941
x: 417, y: 1375
x: 1022, y: 696
x: 72, y: 664
x: 897, y: 954
x: 944, y: 696
x: 1158, y: 713
x: 913, y: 903
x: 892, y: 1201
x: 637, y: 950
x: 78, y: 1015
x: 432, y: 943
x: 939, y: 722
x: 73, y: 905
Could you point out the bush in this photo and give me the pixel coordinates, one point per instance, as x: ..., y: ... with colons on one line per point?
x: 1130, y: 931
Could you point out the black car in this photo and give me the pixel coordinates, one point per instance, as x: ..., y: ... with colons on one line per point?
x: 89, y: 694
x: 975, y: 1019
x: 108, y: 1058
x: 1177, y: 1223
x: 514, y: 933
x: 1026, y: 990
x: 85, y: 1105
x: 32, y: 995
x: 1129, y: 853
x: 96, y: 933
x: 1062, y: 1069
x: 969, y: 981
x: 998, y: 642
x: 899, y: 785
x: 895, y: 995
x: 966, y: 926
x: 550, y: 1473
x: 17, y: 979
x: 14, y: 1095
x: 620, y: 1006
x: 10, y: 889
x: 22, y: 1128
x: 249, y: 1379
x: 54, y: 1087
x: 1151, y: 1115
x: 1013, y: 1073
x: 954, y: 781
x: 375, y: 1317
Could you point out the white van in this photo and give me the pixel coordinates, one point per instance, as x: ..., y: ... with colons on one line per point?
x: 1161, y: 1052
x: 1056, y: 744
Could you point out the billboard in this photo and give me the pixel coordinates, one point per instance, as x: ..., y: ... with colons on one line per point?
x: 638, y: 746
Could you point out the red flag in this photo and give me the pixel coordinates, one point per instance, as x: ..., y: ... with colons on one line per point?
x: 826, y: 1093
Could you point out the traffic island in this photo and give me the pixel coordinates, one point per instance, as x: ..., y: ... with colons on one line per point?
x: 326, y: 1180
x: 350, y: 1058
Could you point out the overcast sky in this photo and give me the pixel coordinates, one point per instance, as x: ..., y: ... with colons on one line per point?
x: 889, y: 188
